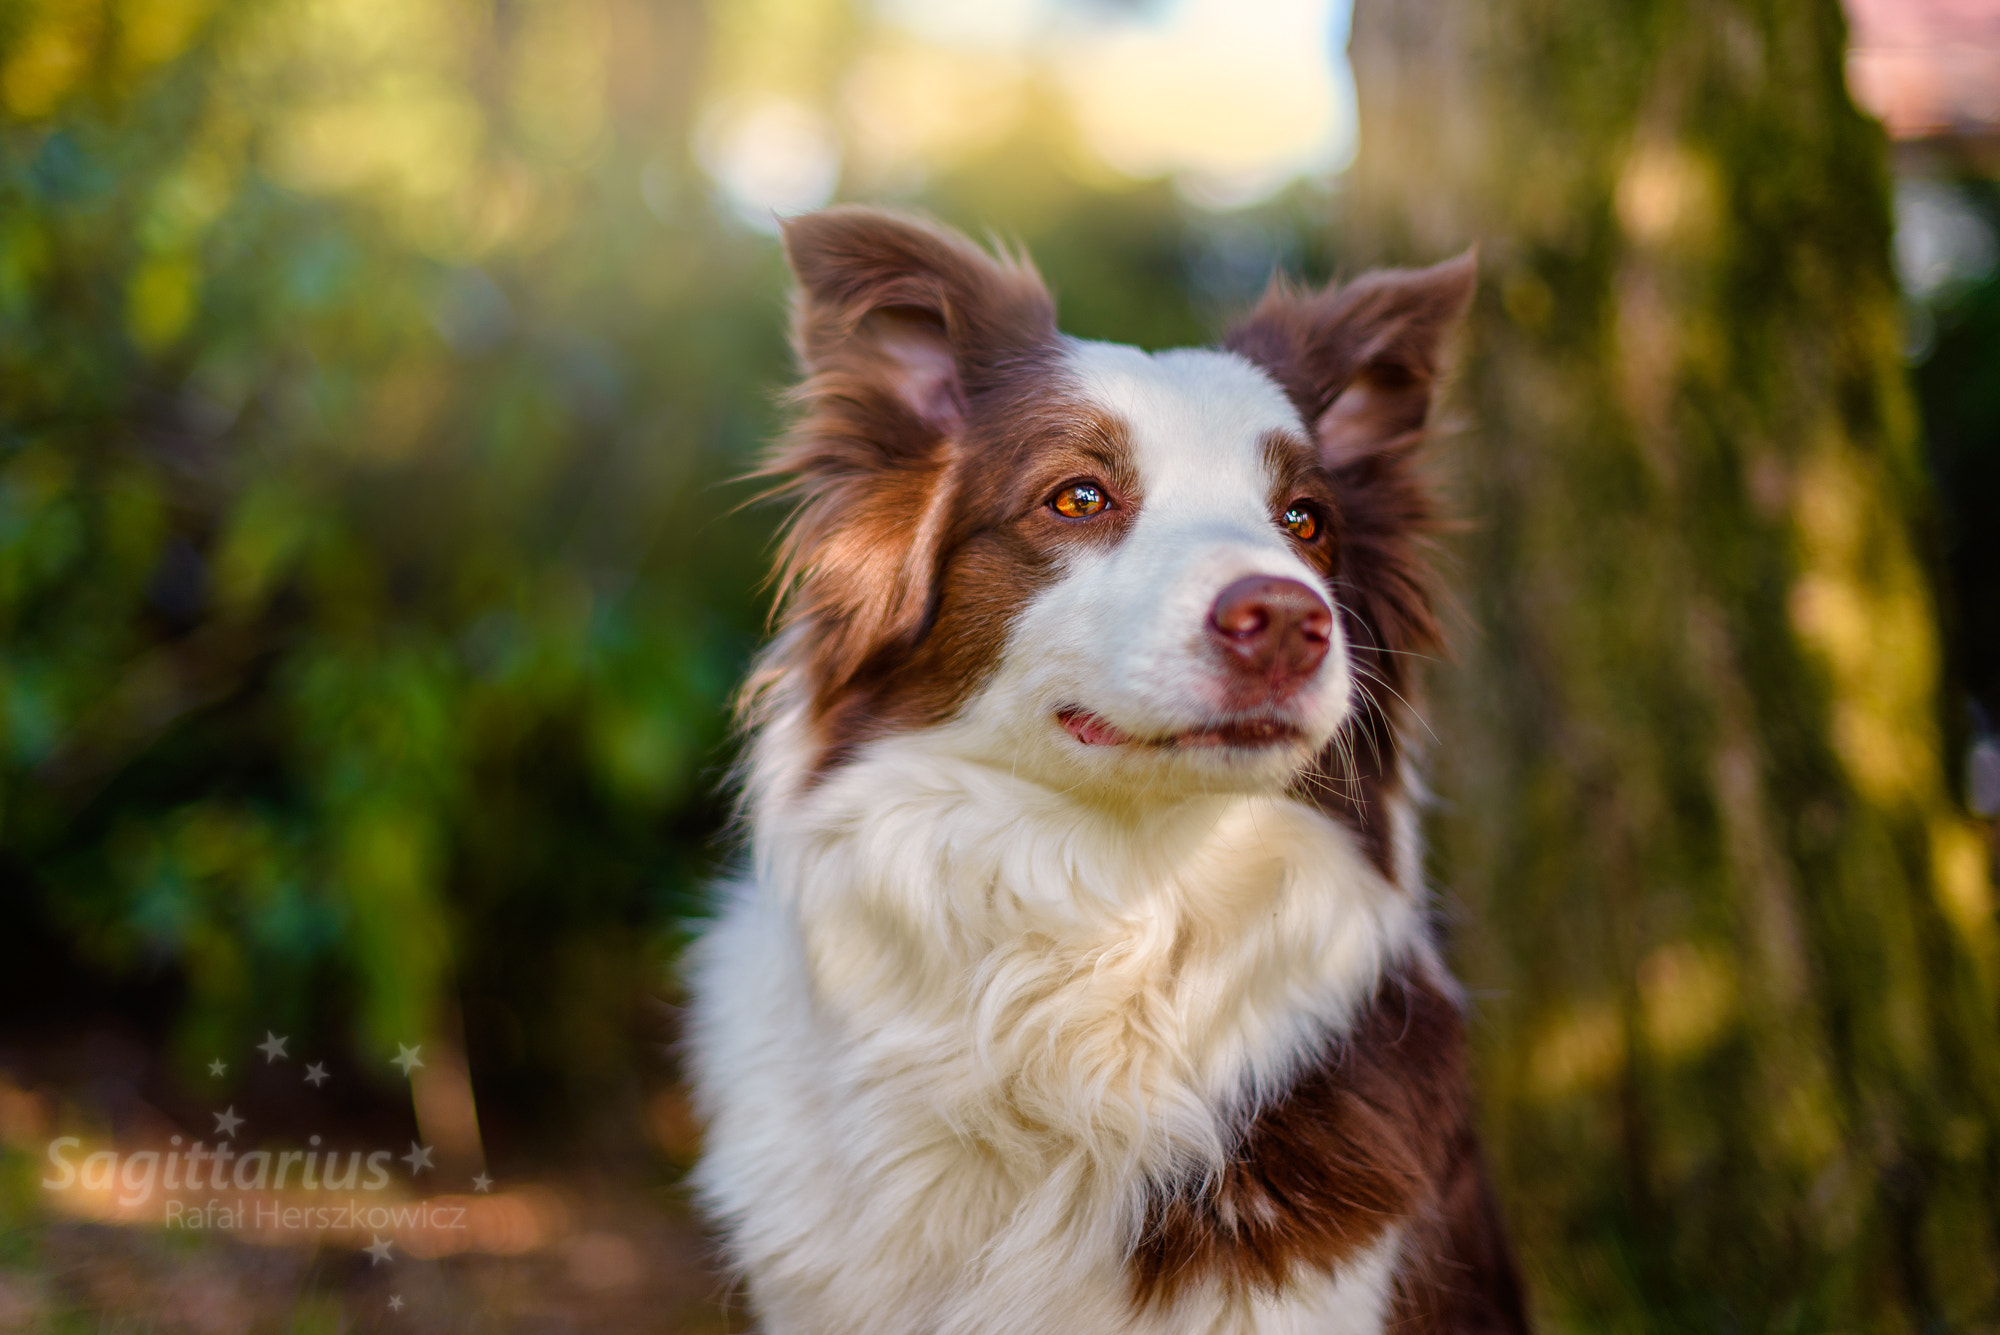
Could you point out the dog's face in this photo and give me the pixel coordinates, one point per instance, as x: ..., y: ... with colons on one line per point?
x: 1182, y: 627
x: 1108, y: 569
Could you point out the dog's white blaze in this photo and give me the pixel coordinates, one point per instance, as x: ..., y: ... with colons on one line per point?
x: 1122, y: 632
x: 966, y: 1003
x: 1197, y: 423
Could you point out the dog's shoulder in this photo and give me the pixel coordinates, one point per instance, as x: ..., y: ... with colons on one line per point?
x: 1375, y: 1133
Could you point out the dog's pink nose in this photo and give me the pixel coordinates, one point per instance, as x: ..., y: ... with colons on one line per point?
x: 1275, y: 630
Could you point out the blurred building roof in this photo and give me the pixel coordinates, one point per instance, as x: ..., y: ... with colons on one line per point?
x: 1929, y: 68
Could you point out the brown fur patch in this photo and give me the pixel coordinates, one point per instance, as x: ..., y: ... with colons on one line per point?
x: 1458, y: 1275
x: 1360, y: 363
x: 1376, y: 1134
x: 934, y: 427
x: 999, y: 547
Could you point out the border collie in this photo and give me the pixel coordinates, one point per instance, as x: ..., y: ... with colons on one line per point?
x: 1081, y: 979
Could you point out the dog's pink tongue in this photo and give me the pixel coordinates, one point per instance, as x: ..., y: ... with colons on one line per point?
x: 1090, y: 729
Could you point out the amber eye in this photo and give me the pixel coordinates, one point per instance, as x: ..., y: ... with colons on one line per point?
x: 1302, y: 522
x: 1079, y: 500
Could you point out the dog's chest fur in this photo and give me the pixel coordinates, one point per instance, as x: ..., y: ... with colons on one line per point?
x: 987, y: 1053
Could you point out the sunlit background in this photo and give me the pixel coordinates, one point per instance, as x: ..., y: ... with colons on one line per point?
x: 374, y: 375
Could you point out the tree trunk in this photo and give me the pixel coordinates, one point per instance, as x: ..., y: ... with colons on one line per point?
x: 1731, y: 940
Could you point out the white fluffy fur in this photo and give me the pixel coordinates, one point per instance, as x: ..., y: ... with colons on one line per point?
x: 982, y: 981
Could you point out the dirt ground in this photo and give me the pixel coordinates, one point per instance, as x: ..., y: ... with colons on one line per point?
x: 605, y: 1246
x: 604, y: 1258
x: 623, y: 1265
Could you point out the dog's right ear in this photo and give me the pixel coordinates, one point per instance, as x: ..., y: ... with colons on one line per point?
x: 901, y: 326
x: 897, y: 307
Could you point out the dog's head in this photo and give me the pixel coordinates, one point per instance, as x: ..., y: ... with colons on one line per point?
x: 1114, y: 570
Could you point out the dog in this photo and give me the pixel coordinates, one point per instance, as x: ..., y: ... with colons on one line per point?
x: 1082, y: 978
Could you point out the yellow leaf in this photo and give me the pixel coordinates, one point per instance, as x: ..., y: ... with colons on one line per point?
x: 160, y: 302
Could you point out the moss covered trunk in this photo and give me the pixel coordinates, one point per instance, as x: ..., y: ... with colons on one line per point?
x: 1732, y: 940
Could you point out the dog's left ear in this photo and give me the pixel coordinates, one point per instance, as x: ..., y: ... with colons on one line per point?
x: 1360, y: 362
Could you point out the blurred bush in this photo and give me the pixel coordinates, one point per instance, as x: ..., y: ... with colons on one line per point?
x: 369, y: 593
x: 372, y: 376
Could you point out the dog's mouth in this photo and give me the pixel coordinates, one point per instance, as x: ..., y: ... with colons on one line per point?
x: 1091, y: 730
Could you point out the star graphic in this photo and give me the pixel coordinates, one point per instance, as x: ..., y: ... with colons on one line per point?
x: 316, y: 1074
x: 227, y: 1122
x: 273, y: 1047
x: 395, y: 1302
x: 482, y: 1183
x: 419, y: 1158
x: 217, y: 1067
x: 378, y: 1251
x: 407, y: 1058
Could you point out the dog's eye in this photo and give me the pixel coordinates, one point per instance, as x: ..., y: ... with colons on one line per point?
x: 1079, y: 500
x: 1300, y: 519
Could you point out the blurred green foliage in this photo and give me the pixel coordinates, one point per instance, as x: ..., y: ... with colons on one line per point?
x: 372, y: 583
x: 369, y: 612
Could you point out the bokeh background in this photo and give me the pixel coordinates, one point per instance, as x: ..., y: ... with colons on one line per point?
x: 375, y: 376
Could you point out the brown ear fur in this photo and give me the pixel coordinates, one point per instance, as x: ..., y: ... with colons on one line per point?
x: 901, y: 327
x: 1360, y: 363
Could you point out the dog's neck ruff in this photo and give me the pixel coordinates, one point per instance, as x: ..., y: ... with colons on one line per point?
x: 919, y: 849
x: 998, y: 1012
